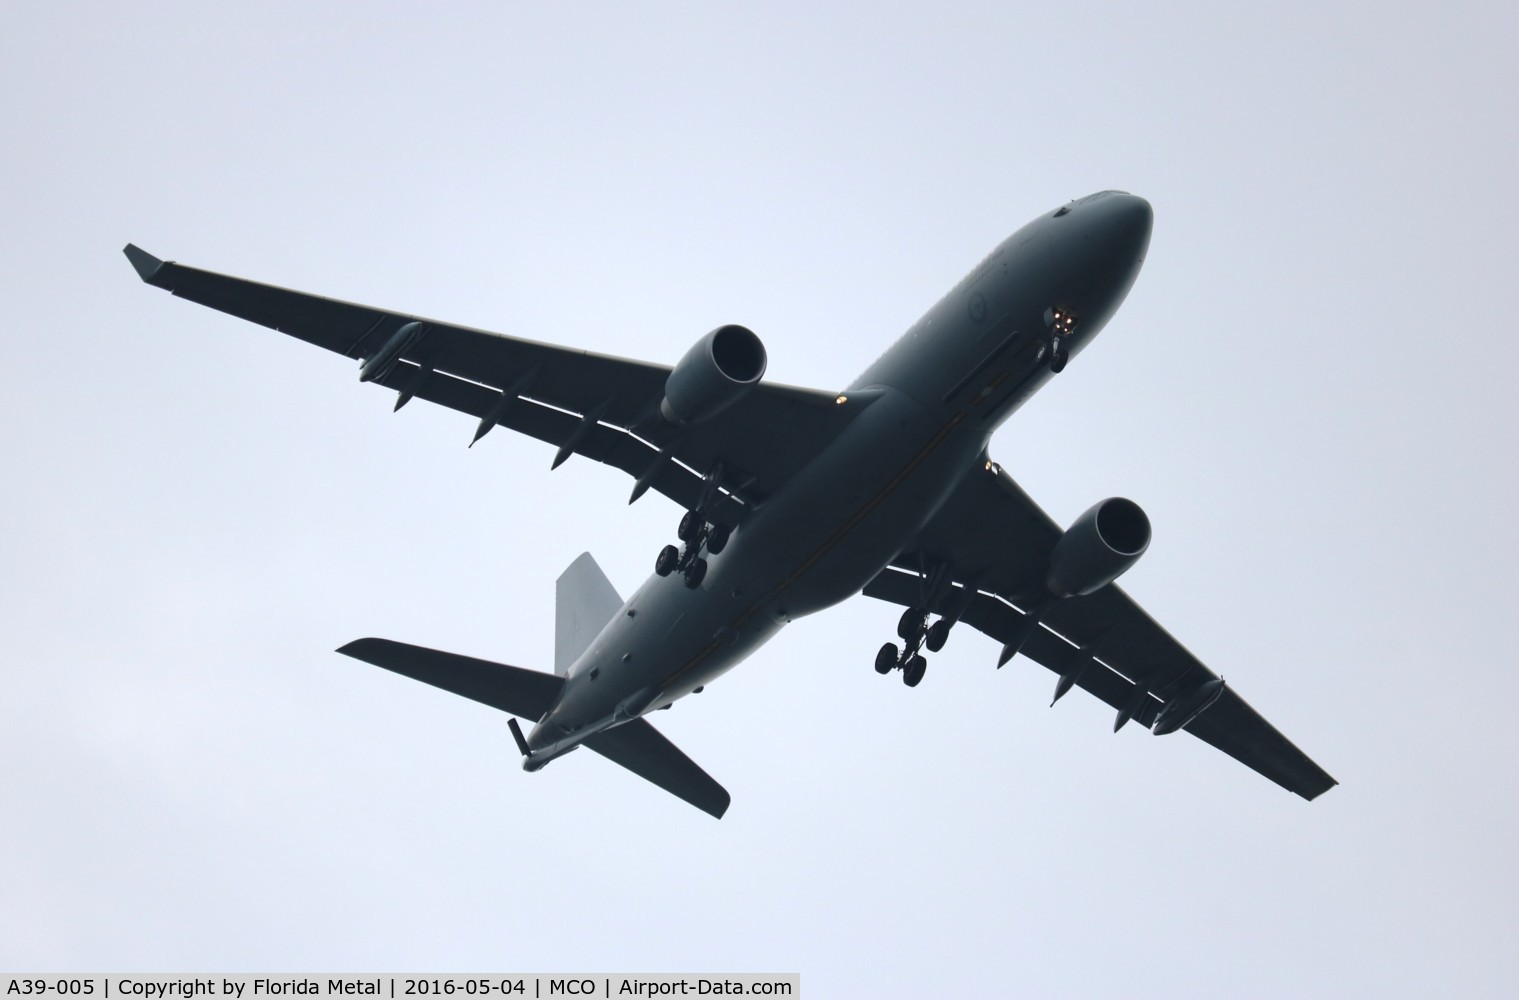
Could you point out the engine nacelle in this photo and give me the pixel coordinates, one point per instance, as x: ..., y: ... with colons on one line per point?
x: 1098, y: 547
x: 713, y: 375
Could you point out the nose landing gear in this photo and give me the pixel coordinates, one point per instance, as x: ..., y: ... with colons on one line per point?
x: 1061, y: 323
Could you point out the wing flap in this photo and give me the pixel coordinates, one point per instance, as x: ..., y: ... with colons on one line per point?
x: 994, y: 617
x: 1231, y: 725
x: 642, y: 749
x: 992, y: 533
x: 602, y: 443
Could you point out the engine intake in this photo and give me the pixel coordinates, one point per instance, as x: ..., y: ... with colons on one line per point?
x: 713, y: 375
x: 1098, y: 547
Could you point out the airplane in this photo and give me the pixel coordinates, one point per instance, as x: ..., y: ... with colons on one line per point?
x: 796, y: 499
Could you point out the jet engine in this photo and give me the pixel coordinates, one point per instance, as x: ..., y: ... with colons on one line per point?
x: 713, y: 375
x: 1097, y: 547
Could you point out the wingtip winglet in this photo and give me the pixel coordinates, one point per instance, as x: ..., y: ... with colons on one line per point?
x: 146, y: 265
x: 357, y: 647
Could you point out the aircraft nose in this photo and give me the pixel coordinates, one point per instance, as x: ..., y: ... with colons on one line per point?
x: 1125, y: 221
x: 1107, y: 236
x: 1117, y: 230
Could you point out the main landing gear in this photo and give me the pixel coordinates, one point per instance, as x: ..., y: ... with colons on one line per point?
x: 915, y: 632
x: 914, y: 629
x: 698, y: 534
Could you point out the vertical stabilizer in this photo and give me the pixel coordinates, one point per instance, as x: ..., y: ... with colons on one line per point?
x: 584, y: 601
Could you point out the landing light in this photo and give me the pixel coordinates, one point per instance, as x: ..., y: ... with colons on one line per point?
x: 1061, y: 321
x: 841, y: 400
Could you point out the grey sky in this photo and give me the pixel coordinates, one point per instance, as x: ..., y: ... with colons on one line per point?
x: 1309, y: 391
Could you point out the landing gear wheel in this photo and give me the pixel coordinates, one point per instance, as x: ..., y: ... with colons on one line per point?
x: 886, y: 659
x: 669, y: 557
x: 938, y: 635
x: 910, y: 624
x: 1057, y: 356
x: 718, y: 539
x: 696, y: 572
x: 913, y: 672
x: 690, y: 526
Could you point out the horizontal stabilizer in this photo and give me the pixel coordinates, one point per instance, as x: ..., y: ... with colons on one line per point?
x: 640, y: 748
x: 526, y: 693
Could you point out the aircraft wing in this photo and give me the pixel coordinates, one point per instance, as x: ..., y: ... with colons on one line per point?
x: 996, y: 543
x: 602, y: 407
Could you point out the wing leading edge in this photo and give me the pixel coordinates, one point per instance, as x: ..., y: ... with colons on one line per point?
x: 596, y: 405
x: 996, y: 544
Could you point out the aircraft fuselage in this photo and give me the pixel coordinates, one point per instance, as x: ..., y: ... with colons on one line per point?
x: 928, y: 408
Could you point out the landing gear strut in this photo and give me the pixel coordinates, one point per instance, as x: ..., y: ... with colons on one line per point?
x: 915, y: 632
x: 698, y: 533
x: 912, y: 664
x: 688, y: 561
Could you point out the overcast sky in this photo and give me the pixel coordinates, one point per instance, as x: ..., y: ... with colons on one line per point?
x: 1309, y: 390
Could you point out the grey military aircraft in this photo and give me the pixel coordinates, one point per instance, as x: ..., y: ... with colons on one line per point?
x: 797, y: 499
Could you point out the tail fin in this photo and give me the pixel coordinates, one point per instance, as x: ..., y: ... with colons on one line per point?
x: 635, y: 745
x: 584, y: 601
